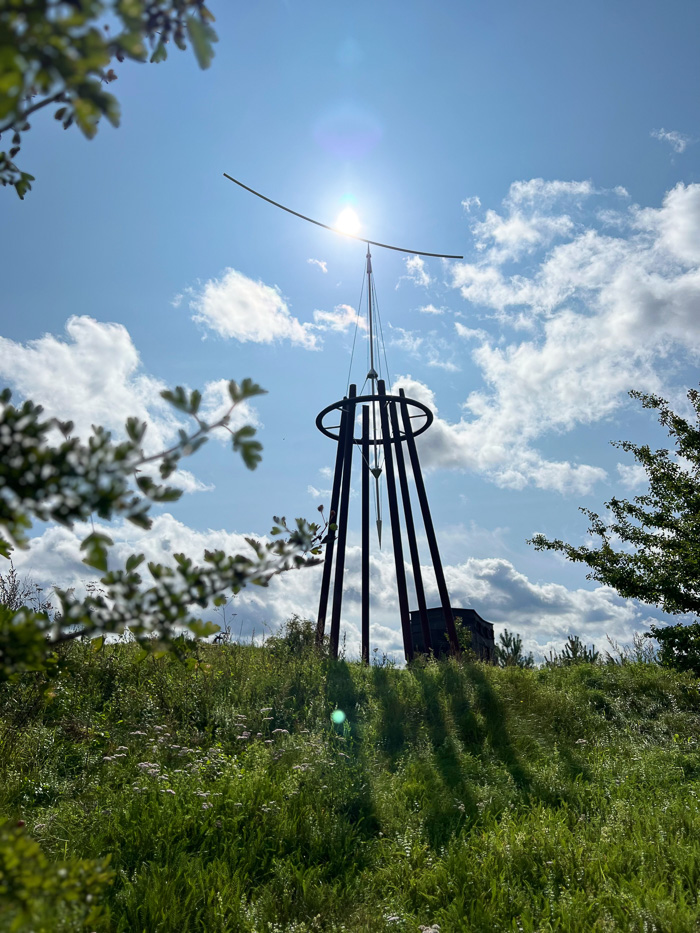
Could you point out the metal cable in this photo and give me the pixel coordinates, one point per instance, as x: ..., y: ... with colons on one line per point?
x: 399, y: 249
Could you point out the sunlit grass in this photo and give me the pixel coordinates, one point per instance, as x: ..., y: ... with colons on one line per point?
x: 234, y: 798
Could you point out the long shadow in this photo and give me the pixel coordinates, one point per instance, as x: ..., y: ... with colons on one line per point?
x: 394, y: 723
x: 344, y: 695
x: 452, y: 802
x: 495, y: 725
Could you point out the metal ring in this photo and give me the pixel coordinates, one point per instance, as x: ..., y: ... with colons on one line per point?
x: 338, y: 406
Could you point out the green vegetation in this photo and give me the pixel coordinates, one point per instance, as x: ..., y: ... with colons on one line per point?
x: 658, y: 561
x: 58, y: 53
x: 477, y: 798
x: 73, y: 481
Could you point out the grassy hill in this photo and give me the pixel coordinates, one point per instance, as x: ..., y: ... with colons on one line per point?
x: 471, y: 797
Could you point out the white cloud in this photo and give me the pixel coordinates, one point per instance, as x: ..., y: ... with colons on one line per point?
x: 240, y: 308
x: 321, y: 263
x: 633, y: 475
x: 431, y: 309
x: 470, y: 333
x: 93, y: 376
x: 341, y: 319
x: 471, y: 203
x: 416, y: 272
x: 544, y: 613
x: 602, y: 312
x: 407, y: 340
x: 496, y: 443
x: 432, y: 350
x: 188, y: 482
x: 537, y: 190
x: 438, y: 362
x: 677, y: 141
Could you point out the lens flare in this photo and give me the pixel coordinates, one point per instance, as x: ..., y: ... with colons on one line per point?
x: 348, y: 222
x: 338, y: 717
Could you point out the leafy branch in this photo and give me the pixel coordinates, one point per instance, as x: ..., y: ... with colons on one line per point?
x: 60, y: 52
x: 71, y: 481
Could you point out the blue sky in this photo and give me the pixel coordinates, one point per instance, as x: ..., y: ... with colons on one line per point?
x: 554, y: 145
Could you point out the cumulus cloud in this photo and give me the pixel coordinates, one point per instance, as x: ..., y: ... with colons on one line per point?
x: 431, y: 309
x: 93, y: 375
x: 341, y: 319
x: 242, y: 309
x: 633, y: 475
x: 496, y: 444
x: 677, y: 141
x: 321, y: 263
x: 602, y: 313
x: 544, y: 613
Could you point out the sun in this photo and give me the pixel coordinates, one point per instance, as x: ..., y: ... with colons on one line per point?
x: 348, y: 222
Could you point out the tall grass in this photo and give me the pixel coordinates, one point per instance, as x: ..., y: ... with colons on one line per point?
x: 475, y: 798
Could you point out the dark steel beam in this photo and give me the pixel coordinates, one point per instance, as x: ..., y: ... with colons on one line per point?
x: 330, y: 537
x: 429, y: 528
x: 395, y: 525
x: 365, y: 533
x: 410, y: 529
x: 342, y: 521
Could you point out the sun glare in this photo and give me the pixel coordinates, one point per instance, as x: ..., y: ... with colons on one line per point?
x: 348, y: 222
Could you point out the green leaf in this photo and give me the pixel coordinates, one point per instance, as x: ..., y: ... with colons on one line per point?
x: 98, y: 643
x: 96, y: 546
x: 202, y: 629
x: 160, y: 53
x: 247, y: 389
x: 87, y: 115
x: 201, y: 36
x: 136, y: 429
x: 177, y: 398
x: 132, y: 45
x: 133, y: 561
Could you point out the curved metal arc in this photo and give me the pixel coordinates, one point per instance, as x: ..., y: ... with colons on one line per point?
x: 398, y: 249
x: 338, y: 406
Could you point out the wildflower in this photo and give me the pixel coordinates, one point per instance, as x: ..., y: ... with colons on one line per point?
x: 169, y: 790
x: 123, y: 748
x: 207, y: 806
x: 267, y: 718
x: 266, y: 709
x: 286, y: 731
x: 108, y: 758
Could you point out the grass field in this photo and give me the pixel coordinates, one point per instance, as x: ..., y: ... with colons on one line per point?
x: 471, y: 797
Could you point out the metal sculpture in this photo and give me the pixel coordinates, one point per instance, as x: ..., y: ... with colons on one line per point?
x: 385, y: 425
x: 392, y: 426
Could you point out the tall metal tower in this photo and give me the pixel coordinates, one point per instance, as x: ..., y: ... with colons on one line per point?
x: 376, y: 426
x: 386, y: 423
